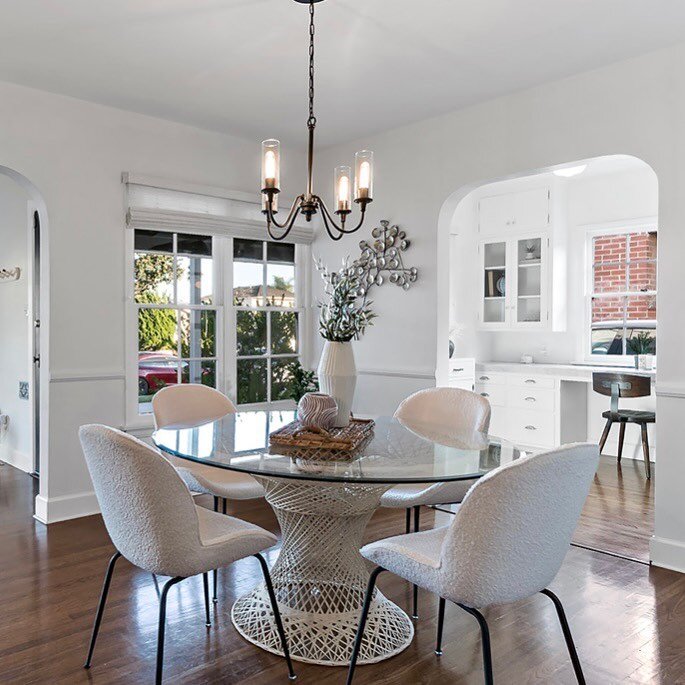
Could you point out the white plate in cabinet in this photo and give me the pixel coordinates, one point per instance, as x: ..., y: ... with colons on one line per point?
x: 538, y: 399
x: 495, y: 394
x: 529, y: 427
x: 532, y: 381
x: 494, y: 378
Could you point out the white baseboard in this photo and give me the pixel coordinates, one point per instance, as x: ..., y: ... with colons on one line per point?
x: 667, y: 554
x: 19, y: 460
x: 54, y: 509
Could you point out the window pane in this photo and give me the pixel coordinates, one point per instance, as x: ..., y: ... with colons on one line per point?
x: 642, y: 246
x: 280, y: 252
x: 607, y: 325
x: 251, y: 250
x: 251, y: 380
x: 194, y: 244
x: 641, y: 276
x: 154, y: 277
x: 283, y: 332
x: 160, y: 241
x: 251, y: 333
x: 641, y: 308
x: 199, y: 371
x: 198, y: 332
x: 194, y: 280
x: 280, y: 279
x: 157, y: 330
x: 610, y: 277
x: 609, y: 248
x: 641, y: 341
x: 282, y: 378
x: 155, y: 371
x: 248, y: 284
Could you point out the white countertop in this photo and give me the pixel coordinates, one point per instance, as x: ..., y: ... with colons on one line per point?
x: 580, y: 372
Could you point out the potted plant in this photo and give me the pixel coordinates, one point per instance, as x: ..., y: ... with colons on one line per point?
x: 343, y: 317
x: 643, y: 346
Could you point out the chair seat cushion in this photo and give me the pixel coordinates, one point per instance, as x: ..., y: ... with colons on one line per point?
x: 410, y: 495
x: 414, y: 557
x: 211, y: 480
x: 630, y: 416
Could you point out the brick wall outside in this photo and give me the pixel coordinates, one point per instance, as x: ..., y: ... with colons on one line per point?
x: 620, y: 264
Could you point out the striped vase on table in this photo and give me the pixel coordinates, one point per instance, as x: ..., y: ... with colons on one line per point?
x: 317, y: 410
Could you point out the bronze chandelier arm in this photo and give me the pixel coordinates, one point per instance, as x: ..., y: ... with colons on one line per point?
x: 289, y: 221
x: 326, y: 215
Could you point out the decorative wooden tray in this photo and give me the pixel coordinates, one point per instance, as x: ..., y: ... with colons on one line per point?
x: 347, y: 439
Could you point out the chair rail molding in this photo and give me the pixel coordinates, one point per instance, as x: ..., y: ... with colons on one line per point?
x: 424, y: 374
x: 80, y: 376
x: 667, y: 389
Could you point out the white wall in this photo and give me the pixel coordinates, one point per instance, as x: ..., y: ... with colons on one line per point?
x: 14, y: 338
x: 74, y: 153
x: 634, y: 107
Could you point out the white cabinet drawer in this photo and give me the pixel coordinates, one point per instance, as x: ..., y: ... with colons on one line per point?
x: 463, y: 383
x: 462, y: 368
x: 496, y: 378
x: 495, y: 394
x: 531, y: 380
x: 538, y: 399
x: 529, y: 427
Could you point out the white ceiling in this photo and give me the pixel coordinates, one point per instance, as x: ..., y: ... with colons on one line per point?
x: 239, y: 66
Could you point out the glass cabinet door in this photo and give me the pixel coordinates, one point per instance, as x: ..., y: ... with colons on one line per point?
x: 494, y: 282
x: 530, y: 259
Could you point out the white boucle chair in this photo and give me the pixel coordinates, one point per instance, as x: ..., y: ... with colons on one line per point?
x: 507, y: 542
x: 188, y: 405
x: 461, y: 412
x: 154, y: 523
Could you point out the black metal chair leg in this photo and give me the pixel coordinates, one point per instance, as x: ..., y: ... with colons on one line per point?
x: 101, y: 607
x: 441, y: 621
x: 161, y: 626
x: 645, y: 450
x: 567, y: 636
x: 407, y: 526
x: 605, y: 435
x: 215, y: 575
x: 362, y: 622
x: 485, y: 639
x: 205, y: 584
x: 621, y: 436
x: 415, y: 608
x: 277, y: 615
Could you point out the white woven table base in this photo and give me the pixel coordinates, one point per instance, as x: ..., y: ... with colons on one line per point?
x: 320, y: 578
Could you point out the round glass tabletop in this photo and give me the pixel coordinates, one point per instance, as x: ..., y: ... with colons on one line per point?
x: 394, y: 452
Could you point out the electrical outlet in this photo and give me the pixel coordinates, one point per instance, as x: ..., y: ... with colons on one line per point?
x: 23, y: 390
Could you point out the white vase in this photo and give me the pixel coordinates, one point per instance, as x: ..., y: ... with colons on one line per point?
x: 338, y: 377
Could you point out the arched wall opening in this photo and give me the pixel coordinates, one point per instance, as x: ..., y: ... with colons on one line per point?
x: 617, y: 192
x: 37, y: 324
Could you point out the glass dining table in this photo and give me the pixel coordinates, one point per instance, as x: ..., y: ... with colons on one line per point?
x: 323, y: 501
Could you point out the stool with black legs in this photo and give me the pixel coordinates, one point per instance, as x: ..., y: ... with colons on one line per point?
x: 625, y: 385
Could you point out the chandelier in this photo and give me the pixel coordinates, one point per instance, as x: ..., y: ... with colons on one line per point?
x: 308, y: 203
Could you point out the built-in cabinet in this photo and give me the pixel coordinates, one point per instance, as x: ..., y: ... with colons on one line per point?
x: 515, y: 260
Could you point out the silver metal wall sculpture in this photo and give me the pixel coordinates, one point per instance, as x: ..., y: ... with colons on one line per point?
x: 381, y: 258
x: 7, y: 275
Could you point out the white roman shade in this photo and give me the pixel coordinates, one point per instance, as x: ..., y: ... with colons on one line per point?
x: 160, y: 205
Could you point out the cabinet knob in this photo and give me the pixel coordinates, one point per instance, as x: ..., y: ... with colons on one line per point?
x: 530, y: 399
x: 484, y: 378
x: 459, y: 369
x: 531, y: 428
x: 530, y: 380
x: 485, y: 394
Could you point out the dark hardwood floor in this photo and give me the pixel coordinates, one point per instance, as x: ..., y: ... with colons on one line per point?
x: 628, y: 619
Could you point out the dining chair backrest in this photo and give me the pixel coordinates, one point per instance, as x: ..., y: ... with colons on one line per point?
x: 513, y: 528
x: 621, y: 385
x: 189, y: 404
x: 461, y: 410
x: 148, y: 510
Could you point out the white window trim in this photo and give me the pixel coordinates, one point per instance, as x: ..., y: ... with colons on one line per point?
x: 591, y: 231
x: 226, y: 330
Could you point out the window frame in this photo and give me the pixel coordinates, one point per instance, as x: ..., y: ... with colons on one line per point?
x: 226, y: 349
x: 645, y: 225
x: 302, y: 257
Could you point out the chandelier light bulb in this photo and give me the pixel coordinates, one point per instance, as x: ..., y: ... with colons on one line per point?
x: 343, y: 189
x: 271, y: 165
x: 363, y: 177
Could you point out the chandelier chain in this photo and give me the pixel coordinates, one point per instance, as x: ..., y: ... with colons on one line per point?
x: 311, y: 122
